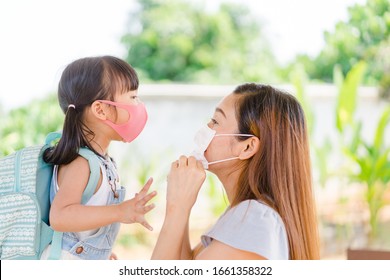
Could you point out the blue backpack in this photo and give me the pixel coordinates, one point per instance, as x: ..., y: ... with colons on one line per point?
x: 25, y: 180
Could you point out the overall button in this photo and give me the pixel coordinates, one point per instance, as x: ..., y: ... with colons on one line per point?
x: 79, y: 250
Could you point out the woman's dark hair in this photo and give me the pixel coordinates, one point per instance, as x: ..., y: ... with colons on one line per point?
x: 83, y: 82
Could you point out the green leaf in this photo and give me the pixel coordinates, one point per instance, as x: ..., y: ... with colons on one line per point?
x: 356, y: 138
x: 380, y: 131
x: 346, y: 103
x: 298, y: 78
x: 338, y: 77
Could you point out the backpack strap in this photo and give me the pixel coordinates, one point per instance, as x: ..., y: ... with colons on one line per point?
x: 56, y: 244
x: 94, y: 176
x: 52, y: 136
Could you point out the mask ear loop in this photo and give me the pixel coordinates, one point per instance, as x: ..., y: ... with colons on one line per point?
x: 235, y: 134
x: 229, y: 134
x: 223, y: 160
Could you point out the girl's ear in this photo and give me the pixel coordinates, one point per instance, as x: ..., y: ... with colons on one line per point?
x: 98, y: 110
x: 250, y: 148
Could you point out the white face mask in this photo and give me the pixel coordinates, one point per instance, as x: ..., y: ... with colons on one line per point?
x: 203, y: 139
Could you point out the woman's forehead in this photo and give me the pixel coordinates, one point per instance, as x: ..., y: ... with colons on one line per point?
x: 227, y: 108
x: 227, y: 104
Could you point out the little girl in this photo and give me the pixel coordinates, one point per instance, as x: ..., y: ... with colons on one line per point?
x: 99, y: 98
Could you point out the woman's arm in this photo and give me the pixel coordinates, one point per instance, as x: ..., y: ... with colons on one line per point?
x: 184, y: 182
x: 220, y: 251
x: 170, y: 240
x: 68, y: 214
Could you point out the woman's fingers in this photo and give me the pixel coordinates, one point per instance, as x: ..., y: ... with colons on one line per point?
x: 183, y: 161
x: 192, y: 161
x: 199, y: 165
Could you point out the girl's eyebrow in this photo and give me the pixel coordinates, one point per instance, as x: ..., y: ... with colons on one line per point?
x: 217, y: 109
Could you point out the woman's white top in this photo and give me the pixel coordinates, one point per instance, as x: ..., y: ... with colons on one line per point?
x: 251, y: 226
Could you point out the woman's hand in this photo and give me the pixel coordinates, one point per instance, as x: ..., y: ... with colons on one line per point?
x: 184, y: 182
x: 134, y: 210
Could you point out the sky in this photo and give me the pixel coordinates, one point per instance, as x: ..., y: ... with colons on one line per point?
x: 39, y: 38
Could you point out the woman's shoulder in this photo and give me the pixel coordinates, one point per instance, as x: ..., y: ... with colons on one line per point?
x: 253, y: 209
x: 252, y: 226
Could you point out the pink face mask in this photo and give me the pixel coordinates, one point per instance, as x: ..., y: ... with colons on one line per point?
x: 134, y: 125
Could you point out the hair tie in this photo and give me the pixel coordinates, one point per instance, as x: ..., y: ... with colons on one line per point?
x: 71, y: 106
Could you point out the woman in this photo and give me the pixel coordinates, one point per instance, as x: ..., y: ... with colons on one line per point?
x: 257, y: 145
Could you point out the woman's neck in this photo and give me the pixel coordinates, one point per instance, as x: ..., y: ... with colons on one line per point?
x: 229, y: 180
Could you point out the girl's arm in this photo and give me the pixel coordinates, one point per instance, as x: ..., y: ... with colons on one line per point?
x: 68, y: 214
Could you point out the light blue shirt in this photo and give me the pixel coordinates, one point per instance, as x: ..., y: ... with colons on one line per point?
x: 251, y: 226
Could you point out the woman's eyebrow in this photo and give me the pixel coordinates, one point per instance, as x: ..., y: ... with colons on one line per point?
x: 217, y: 109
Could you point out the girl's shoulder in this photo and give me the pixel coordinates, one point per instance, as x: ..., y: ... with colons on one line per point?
x: 78, y: 168
x: 78, y: 162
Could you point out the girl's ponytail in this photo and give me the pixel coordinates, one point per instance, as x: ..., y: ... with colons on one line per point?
x: 72, y: 138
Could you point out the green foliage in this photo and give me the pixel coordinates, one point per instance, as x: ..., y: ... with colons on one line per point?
x: 372, y: 158
x: 364, y: 36
x: 367, y: 160
x: 180, y: 41
x: 29, y: 125
x: 346, y: 102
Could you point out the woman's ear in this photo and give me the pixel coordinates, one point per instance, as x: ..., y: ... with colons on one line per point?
x: 98, y: 110
x: 250, y: 148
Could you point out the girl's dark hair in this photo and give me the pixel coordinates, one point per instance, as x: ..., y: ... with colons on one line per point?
x: 279, y: 174
x: 83, y: 82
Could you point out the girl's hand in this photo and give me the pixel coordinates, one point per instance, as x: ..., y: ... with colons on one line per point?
x: 184, y: 182
x: 113, y: 257
x: 134, y: 210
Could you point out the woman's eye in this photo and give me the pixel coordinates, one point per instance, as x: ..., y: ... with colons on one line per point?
x: 213, y: 121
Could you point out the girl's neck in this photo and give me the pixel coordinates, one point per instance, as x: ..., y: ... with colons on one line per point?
x: 98, y: 139
x: 99, y: 145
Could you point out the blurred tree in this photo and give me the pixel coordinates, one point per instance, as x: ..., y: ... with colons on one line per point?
x: 29, y: 125
x: 180, y: 41
x: 364, y: 36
